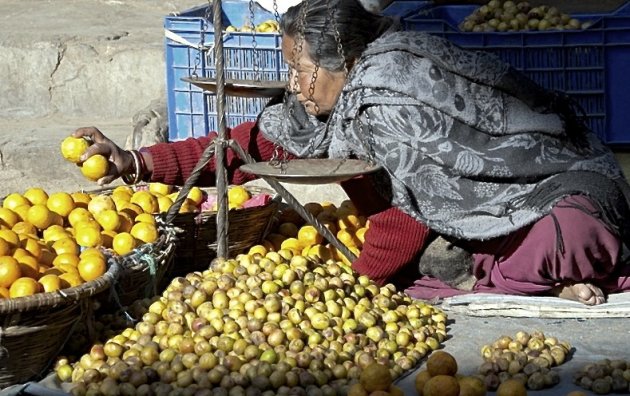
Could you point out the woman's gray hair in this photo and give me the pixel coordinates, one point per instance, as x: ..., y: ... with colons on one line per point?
x: 326, y: 22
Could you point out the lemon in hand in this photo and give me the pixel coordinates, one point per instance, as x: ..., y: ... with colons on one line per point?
x: 95, y: 167
x: 73, y: 148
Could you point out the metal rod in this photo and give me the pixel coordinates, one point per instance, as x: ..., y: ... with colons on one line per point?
x: 295, y: 204
x: 221, y: 174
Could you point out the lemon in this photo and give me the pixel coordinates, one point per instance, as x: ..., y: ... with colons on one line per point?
x: 160, y: 188
x: 95, y: 167
x: 73, y: 148
x: 60, y: 203
x: 145, y: 218
x: 65, y: 245
x: 8, y: 217
x: 40, y: 216
x: 145, y: 200
x: 14, y: 200
x: 24, y: 228
x: 124, y: 243
x: 238, y: 195
x: 79, y: 214
x: 108, y: 219
x: 88, y: 237
x: 144, y: 232
x: 36, y: 195
x: 164, y: 203
x: 81, y: 199
x: 100, y: 203
x: 196, y: 195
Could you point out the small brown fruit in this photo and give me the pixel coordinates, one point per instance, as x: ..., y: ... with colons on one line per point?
x: 441, y: 385
x: 421, y: 378
x: 375, y: 377
x: 357, y: 390
x: 441, y: 363
x: 471, y: 386
x: 512, y: 387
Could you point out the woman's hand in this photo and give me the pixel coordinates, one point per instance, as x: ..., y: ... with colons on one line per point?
x: 121, y: 161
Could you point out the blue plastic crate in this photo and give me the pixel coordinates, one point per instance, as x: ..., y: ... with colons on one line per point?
x: 592, y: 65
x: 192, y: 112
x: 404, y: 8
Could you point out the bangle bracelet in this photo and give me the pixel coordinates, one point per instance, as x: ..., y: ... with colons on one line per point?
x: 133, y: 178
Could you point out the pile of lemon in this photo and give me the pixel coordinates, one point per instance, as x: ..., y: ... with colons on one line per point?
x: 50, y: 242
x: 268, y: 26
x: 292, y: 234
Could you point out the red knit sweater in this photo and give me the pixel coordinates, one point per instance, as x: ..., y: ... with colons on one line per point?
x: 393, y: 241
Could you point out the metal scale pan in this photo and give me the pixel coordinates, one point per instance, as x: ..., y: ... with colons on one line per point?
x: 240, y: 88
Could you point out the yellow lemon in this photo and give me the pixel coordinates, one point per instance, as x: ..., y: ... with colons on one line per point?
x: 126, y: 222
x: 40, y: 216
x: 10, y: 237
x: 66, y: 259
x: 78, y: 215
x: 95, y: 167
x: 238, y: 195
x: 65, y: 245
x: 92, y: 251
x: 24, y: 287
x: 144, y: 232
x: 347, y: 237
x: 349, y: 221
x: 145, y: 200
x: 21, y: 211
x: 29, y: 266
x: 145, y: 218
x: 60, y: 203
x: 164, y: 203
x: 131, y: 209
x: 70, y: 279
x: 8, y: 217
x: 81, y: 199
x: 50, y: 283
x: 257, y: 249
x: 123, y: 190
x: 309, y: 235
x: 292, y: 244
x: 91, y: 267
x: 54, y: 233
x: 360, y: 234
x: 160, y: 188
x: 320, y: 251
x: 5, y: 248
x: 88, y: 237
x: 108, y: 219
x: 73, y: 148
x: 24, y: 228
x: 33, y: 246
x: 101, y: 202
x: 9, y: 271
x: 196, y: 195
x: 14, y: 200
x: 124, y: 243
x: 36, y: 195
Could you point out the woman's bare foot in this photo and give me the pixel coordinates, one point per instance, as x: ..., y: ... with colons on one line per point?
x: 585, y: 293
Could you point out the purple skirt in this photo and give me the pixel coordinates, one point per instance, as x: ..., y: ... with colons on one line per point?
x: 569, y: 245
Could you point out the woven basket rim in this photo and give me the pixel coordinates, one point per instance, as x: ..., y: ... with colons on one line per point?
x: 64, y: 296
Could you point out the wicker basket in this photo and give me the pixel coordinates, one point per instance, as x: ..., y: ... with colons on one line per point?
x: 35, y: 328
x: 143, y: 269
x: 198, y: 237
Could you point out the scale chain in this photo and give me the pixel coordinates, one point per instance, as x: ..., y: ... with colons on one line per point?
x: 256, y: 55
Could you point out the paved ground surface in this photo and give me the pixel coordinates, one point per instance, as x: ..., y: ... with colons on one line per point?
x: 72, y: 63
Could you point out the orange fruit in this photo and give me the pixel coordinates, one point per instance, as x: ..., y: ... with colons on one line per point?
x: 14, y: 200
x: 66, y: 245
x: 24, y: 287
x: 91, y: 267
x: 28, y: 266
x: 144, y: 232
x: 22, y: 211
x: 66, y: 258
x: 145, y: 218
x: 50, y: 283
x: 10, y: 237
x: 347, y: 238
x: 124, y: 243
x: 73, y: 148
x: 9, y: 271
x: 308, y: 235
x: 4, y: 292
x: 92, y: 251
x: 95, y: 167
x: 160, y: 188
x: 70, y: 279
x: 81, y: 199
x: 40, y: 216
x: 5, y: 248
x: 237, y: 196
x: 100, y: 203
x: 79, y: 214
x: 131, y: 209
x: 88, y: 236
x: 108, y: 219
x: 36, y: 196
x: 108, y: 238
x: 8, y: 217
x: 33, y: 246
x: 61, y: 203
x: 24, y: 228
x: 126, y: 222
x: 196, y: 195
x: 145, y: 200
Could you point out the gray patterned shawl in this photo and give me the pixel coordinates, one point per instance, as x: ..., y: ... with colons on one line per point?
x: 469, y: 146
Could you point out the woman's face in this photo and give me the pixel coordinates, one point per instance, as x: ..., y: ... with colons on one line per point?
x: 327, y: 86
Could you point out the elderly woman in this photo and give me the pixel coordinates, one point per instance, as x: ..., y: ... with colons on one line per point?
x: 489, y: 183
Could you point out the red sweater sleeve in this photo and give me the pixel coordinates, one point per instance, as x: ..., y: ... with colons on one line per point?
x: 392, y: 242
x: 173, y: 162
